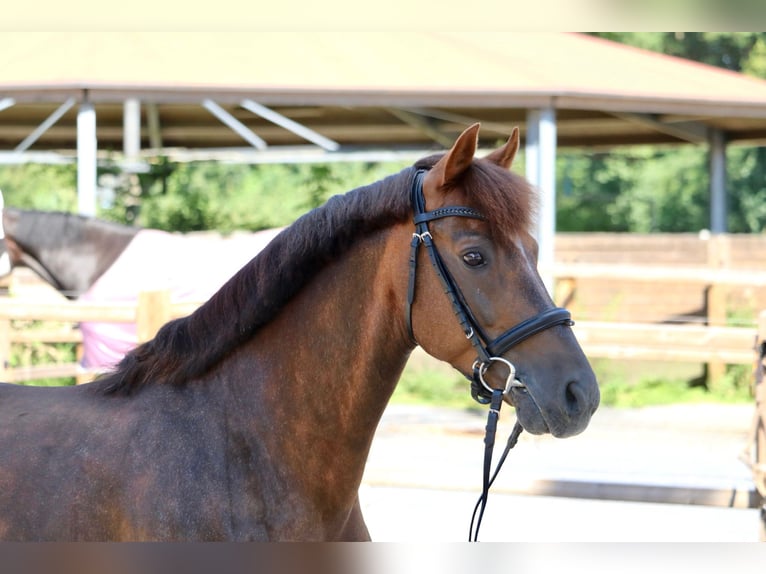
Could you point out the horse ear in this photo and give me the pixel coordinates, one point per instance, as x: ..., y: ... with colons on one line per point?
x: 457, y: 159
x: 503, y: 156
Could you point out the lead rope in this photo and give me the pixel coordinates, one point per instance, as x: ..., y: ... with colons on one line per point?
x: 489, y: 445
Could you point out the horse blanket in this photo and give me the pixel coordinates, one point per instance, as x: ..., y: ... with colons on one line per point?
x: 192, y: 267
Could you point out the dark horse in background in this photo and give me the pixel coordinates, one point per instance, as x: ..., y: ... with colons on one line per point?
x: 103, y: 262
x: 68, y: 251
x: 252, y: 418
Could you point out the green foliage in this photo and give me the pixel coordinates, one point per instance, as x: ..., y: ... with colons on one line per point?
x: 48, y: 187
x: 422, y: 384
x: 39, y: 353
x: 655, y: 390
x: 207, y: 195
x: 638, y: 386
x: 755, y: 63
x: 644, y: 383
x: 747, y: 191
x: 739, y: 51
x: 640, y: 190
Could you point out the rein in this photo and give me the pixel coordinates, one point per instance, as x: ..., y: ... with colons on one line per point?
x: 489, y: 351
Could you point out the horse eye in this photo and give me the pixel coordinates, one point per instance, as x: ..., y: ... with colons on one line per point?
x: 473, y: 259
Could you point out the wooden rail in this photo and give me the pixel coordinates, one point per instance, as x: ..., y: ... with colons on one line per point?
x: 712, y: 343
x: 661, y: 342
x: 660, y: 273
x: 152, y: 310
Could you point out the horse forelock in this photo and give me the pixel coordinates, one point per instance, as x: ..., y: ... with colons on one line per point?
x: 187, y: 348
x: 505, y: 198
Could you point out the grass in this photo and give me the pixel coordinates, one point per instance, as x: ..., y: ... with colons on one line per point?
x: 422, y: 386
x: 623, y: 384
x: 42, y: 353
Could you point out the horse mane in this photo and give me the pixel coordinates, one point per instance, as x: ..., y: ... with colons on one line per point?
x: 187, y: 348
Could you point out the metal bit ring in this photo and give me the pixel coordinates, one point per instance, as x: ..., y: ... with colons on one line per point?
x: 510, y: 382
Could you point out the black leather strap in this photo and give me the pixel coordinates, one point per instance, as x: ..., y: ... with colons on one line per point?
x: 545, y: 320
x: 453, y: 211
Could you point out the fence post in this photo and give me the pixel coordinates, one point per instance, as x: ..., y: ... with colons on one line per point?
x: 718, y: 257
x: 5, y: 348
x: 759, y: 447
x: 564, y: 291
x: 152, y: 312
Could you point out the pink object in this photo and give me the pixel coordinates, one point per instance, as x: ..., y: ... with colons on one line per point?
x: 192, y: 267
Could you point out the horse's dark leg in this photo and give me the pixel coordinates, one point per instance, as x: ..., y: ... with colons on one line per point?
x: 355, y: 529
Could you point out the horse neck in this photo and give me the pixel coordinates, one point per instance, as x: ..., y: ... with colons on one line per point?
x: 333, y: 357
x: 74, y: 267
x: 352, y: 319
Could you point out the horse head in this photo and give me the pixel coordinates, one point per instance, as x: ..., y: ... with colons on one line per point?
x: 68, y: 251
x: 475, y: 223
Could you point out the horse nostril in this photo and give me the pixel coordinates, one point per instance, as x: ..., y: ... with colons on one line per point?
x: 573, y: 397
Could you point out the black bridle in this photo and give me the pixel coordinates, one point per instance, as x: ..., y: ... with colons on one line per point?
x: 488, y: 350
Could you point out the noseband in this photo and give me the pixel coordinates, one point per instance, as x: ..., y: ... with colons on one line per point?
x: 489, y: 351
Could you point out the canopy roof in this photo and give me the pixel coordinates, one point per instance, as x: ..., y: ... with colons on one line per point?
x: 360, y: 91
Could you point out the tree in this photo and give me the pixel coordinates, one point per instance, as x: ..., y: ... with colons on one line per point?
x: 662, y: 189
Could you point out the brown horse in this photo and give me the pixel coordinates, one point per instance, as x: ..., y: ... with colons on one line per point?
x: 251, y: 419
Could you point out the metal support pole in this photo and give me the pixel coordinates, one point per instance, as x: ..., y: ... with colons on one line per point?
x: 541, y: 172
x: 718, y: 204
x: 86, y: 158
x: 532, y: 147
x: 131, y: 129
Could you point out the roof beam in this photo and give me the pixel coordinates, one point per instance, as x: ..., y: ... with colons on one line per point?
x: 43, y: 127
x: 463, y: 120
x: 290, y: 125
x: 153, y: 124
x: 693, y: 132
x: 424, y: 124
x: 237, y: 126
x: 6, y: 103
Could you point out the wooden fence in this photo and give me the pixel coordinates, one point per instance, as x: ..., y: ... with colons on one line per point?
x: 755, y: 453
x: 663, y: 297
x: 705, y: 339
x: 152, y: 310
x: 663, y: 278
